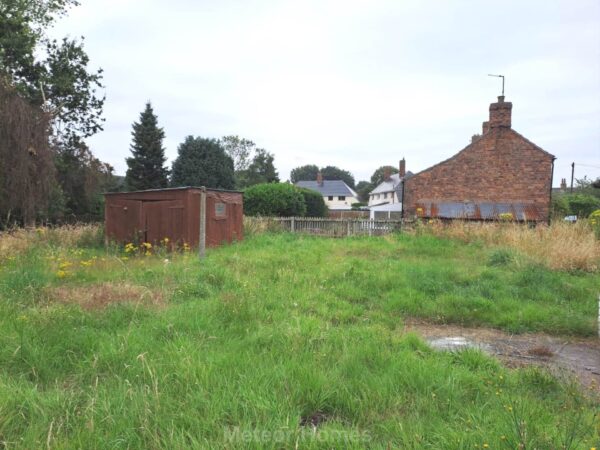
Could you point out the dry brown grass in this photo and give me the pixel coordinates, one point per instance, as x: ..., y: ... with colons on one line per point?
x: 260, y: 225
x: 19, y: 240
x: 560, y: 246
x: 101, y: 295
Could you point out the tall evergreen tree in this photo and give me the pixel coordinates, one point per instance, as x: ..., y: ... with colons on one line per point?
x: 203, y: 162
x: 146, y: 167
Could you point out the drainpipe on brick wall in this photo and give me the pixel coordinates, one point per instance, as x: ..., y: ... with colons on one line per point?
x: 402, y: 209
x: 550, y: 202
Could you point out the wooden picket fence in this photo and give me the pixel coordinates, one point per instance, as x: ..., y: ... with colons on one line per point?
x: 325, y: 226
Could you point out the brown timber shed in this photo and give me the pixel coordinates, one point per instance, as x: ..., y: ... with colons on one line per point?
x: 186, y: 215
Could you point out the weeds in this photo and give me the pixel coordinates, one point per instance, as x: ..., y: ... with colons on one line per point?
x: 296, y: 338
x: 560, y: 246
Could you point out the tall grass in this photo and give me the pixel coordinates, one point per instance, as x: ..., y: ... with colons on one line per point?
x: 560, y: 246
x: 19, y: 240
x: 251, y: 346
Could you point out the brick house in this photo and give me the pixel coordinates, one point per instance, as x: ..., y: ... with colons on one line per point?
x: 499, y: 172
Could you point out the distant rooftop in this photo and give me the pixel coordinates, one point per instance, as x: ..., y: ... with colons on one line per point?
x: 328, y: 187
x: 391, y: 184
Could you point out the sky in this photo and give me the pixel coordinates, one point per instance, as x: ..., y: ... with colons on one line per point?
x: 355, y: 84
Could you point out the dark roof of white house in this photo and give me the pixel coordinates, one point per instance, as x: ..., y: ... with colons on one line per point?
x: 328, y: 188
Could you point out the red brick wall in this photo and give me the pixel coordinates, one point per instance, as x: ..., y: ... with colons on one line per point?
x: 501, y: 166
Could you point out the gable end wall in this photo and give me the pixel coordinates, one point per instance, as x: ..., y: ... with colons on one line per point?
x: 500, y: 167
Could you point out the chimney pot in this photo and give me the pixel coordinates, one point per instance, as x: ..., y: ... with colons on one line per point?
x: 402, y: 171
x: 319, y: 178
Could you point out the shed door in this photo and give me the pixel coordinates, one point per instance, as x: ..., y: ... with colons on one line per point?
x: 163, y: 219
x: 124, y: 220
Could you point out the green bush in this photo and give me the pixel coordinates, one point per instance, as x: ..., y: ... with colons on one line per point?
x: 315, y: 205
x: 274, y: 199
x: 582, y: 205
x: 560, y: 206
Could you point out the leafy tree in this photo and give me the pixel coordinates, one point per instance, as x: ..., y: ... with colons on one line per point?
x: 252, y: 165
x: 377, y: 177
x: 315, y: 205
x: 146, y: 168
x: 304, y: 173
x: 26, y: 161
x: 83, y: 178
x: 53, y: 76
x: 274, y: 199
x: 335, y: 173
x: 260, y: 170
x: 586, y: 186
x: 202, y: 162
x: 240, y: 150
x: 362, y: 189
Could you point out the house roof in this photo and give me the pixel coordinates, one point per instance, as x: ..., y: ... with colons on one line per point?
x: 328, y: 188
x: 484, y: 135
x: 393, y: 184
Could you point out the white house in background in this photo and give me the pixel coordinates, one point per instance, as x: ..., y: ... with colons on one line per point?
x: 337, y: 194
x: 385, y: 201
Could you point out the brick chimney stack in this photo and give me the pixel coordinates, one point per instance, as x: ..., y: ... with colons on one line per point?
x: 319, y: 178
x: 386, y: 173
x: 485, y: 127
x: 500, y: 113
x: 563, y: 184
x: 402, y: 171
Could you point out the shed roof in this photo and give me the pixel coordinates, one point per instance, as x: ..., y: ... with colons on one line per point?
x: 329, y: 187
x: 173, y: 189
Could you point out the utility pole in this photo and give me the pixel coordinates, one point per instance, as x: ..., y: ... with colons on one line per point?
x: 572, y: 175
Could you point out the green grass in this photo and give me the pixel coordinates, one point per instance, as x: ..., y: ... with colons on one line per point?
x: 280, y: 327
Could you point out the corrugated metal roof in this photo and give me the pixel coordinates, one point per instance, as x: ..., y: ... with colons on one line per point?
x: 329, y: 187
x: 477, y: 210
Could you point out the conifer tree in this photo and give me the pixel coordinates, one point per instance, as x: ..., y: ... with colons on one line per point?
x: 146, y: 166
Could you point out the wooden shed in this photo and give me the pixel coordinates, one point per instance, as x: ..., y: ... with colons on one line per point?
x: 187, y: 215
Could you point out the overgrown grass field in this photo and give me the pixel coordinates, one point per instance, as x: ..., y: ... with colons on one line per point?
x: 281, y: 341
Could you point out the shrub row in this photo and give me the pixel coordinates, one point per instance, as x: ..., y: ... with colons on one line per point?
x: 283, y: 199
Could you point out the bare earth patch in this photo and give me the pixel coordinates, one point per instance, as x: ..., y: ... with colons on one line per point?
x: 97, y: 296
x: 561, y: 355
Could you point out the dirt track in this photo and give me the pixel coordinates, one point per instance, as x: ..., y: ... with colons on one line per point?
x: 579, y: 357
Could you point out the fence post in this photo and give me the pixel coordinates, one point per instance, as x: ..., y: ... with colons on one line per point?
x: 202, y: 237
x: 293, y: 225
x: 348, y: 227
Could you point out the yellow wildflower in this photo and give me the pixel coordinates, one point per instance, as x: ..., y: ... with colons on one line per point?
x: 61, y: 274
